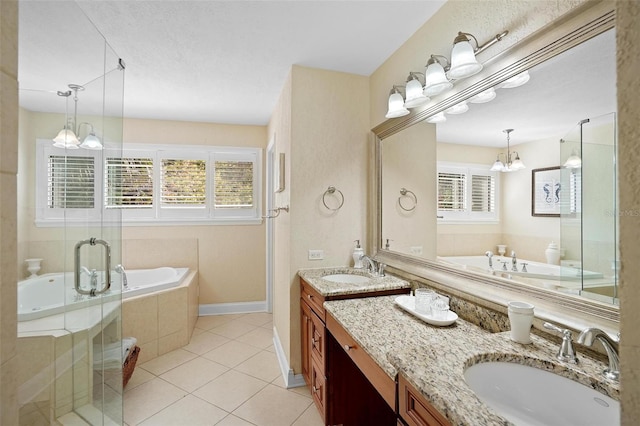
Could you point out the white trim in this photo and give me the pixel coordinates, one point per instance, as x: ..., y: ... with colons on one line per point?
x: 291, y: 380
x: 232, y: 308
x: 269, y: 201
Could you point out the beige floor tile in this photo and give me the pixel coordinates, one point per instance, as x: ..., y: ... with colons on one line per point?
x: 197, y: 331
x: 273, y: 406
x: 193, y: 374
x: 233, y: 329
x: 140, y: 376
x: 189, y: 411
x: 232, y: 353
x: 300, y: 390
x: 230, y: 390
x: 204, y: 342
x: 270, y: 348
x: 149, y: 398
x: 268, y: 325
x: 260, y: 337
x: 210, y: 321
x: 264, y: 365
x: 257, y: 318
x: 310, y: 417
x: 232, y: 420
x: 166, y: 362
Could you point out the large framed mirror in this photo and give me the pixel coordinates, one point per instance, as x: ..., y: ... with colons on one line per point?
x: 549, y: 229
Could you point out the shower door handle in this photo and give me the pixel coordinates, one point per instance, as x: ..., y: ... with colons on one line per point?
x: 76, y: 279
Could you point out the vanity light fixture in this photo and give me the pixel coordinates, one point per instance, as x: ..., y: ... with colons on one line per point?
x: 463, y: 55
x: 437, y: 118
x: 67, y: 138
x: 396, y: 103
x: 509, y: 165
x: 483, y: 97
x: 458, y: 108
x: 435, y: 78
x: 515, y: 81
x: 414, y: 90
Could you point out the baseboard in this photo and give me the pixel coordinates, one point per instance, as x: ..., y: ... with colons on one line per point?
x: 232, y: 308
x: 291, y: 380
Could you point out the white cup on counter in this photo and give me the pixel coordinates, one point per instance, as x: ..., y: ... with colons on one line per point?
x: 424, y: 297
x: 521, y: 320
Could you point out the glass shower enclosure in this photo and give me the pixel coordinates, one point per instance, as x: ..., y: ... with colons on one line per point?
x: 70, y: 345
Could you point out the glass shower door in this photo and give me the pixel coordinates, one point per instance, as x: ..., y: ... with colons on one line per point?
x: 589, y: 220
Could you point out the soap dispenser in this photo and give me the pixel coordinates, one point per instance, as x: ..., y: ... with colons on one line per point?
x: 358, y: 252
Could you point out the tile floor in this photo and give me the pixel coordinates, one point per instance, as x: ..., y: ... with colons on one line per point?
x: 227, y: 375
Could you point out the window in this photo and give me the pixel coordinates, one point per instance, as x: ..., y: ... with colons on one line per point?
x: 149, y: 185
x: 467, y: 193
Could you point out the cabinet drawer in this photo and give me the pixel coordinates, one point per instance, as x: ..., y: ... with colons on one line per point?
x: 313, y: 298
x: 372, y: 371
x: 318, y: 388
x: 414, y: 409
x: 317, y: 336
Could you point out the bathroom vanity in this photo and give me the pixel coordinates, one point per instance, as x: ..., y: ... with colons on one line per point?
x: 315, y: 289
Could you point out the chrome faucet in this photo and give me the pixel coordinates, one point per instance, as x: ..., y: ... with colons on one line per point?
x: 514, y: 261
x: 372, y: 264
x: 591, y: 334
x: 120, y: 269
x: 489, y: 254
x: 566, y: 353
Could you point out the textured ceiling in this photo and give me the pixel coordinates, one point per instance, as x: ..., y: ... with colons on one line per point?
x: 209, y: 61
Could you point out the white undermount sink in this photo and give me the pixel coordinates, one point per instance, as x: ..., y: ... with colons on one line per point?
x: 346, y: 278
x: 529, y: 396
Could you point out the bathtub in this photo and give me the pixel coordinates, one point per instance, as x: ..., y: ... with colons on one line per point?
x: 51, y: 294
x: 536, y: 270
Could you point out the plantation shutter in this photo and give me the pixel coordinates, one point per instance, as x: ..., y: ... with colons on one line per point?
x: 451, y: 191
x: 233, y: 184
x: 575, y: 191
x: 129, y: 183
x: 183, y: 183
x: 482, y: 193
x: 70, y: 182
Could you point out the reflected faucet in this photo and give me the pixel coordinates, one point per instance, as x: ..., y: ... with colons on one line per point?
x: 93, y: 277
x: 514, y: 261
x: 120, y: 269
x: 489, y: 254
x: 590, y: 335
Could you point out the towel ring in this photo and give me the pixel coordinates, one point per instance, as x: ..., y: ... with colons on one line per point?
x: 404, y: 192
x: 332, y: 190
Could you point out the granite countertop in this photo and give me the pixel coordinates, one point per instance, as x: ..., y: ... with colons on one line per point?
x: 330, y: 288
x: 433, y: 359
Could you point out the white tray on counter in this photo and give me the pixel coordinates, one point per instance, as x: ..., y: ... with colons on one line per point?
x: 408, y: 303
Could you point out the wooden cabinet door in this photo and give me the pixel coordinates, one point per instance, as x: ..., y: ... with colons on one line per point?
x: 317, y: 335
x: 414, y: 409
x: 305, y: 329
x: 318, y: 388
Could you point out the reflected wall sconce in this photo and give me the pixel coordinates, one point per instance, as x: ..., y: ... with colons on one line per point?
x: 515, y: 81
x: 483, y: 97
x: 67, y: 137
x: 458, y: 108
x: 437, y: 118
x: 396, y: 103
x: 509, y: 165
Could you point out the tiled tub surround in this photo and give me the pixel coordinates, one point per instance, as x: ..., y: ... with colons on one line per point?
x: 330, y: 289
x: 433, y: 359
x: 162, y: 321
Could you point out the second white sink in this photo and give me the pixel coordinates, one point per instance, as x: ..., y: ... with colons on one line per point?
x: 346, y: 278
x: 529, y: 396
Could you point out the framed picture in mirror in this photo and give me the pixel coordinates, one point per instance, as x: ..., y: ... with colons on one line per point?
x: 546, y: 192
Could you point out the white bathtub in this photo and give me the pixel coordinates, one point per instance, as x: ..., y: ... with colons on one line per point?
x: 536, y: 270
x: 51, y: 294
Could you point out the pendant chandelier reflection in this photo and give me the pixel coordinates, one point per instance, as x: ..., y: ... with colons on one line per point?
x: 509, y: 165
x: 67, y: 137
x: 574, y: 161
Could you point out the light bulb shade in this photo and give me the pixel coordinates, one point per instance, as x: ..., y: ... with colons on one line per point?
x: 517, y: 164
x: 436, y: 81
x: 415, y: 97
x: 482, y: 97
x: 66, y: 139
x: 459, y: 108
x: 463, y: 61
x: 396, y: 106
x: 91, y: 142
x: 497, y: 166
x: 573, y: 162
x: 515, y: 81
x: 437, y: 118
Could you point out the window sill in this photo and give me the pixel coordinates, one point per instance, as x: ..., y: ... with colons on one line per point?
x: 158, y: 222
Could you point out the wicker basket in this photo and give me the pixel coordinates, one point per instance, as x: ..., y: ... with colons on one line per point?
x: 129, y: 365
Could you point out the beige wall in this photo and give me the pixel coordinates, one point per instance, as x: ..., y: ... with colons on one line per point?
x: 230, y: 258
x: 324, y: 130
x: 8, y: 213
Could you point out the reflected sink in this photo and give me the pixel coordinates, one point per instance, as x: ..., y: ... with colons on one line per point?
x: 346, y: 278
x: 529, y: 396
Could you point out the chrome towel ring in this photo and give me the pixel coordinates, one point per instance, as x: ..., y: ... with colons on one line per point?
x: 331, y: 191
x: 404, y: 192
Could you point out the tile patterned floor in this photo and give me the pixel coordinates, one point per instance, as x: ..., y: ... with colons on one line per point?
x: 227, y: 375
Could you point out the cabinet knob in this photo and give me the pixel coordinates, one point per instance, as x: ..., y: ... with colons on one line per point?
x: 313, y: 340
x: 347, y: 347
x: 309, y: 296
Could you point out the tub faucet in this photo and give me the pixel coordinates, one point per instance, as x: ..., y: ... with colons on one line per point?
x: 591, y: 334
x: 489, y: 254
x: 514, y: 261
x: 93, y: 277
x: 120, y: 269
